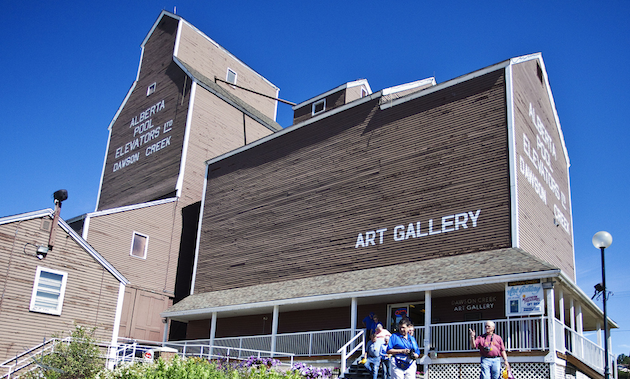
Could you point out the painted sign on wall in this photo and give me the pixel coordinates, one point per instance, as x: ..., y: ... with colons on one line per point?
x: 536, y: 165
x: 145, y: 135
x: 524, y: 298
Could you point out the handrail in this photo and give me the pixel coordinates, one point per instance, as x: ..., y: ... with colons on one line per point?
x: 22, y: 362
x: 345, y: 354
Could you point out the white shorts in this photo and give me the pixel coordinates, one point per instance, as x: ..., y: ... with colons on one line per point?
x: 409, y: 373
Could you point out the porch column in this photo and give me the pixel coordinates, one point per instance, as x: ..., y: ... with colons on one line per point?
x: 353, y: 317
x: 579, y: 320
x: 427, y: 328
x: 274, y: 328
x: 572, y: 324
x: 599, y: 335
x: 561, y: 332
x: 561, y: 305
x: 580, y: 327
x: 551, y: 327
x: 213, y: 330
x: 165, y: 333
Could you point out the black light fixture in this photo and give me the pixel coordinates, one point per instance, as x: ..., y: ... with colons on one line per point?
x: 59, y: 196
x: 602, y: 240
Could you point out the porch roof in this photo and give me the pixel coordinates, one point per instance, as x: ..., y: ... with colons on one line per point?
x: 439, y: 273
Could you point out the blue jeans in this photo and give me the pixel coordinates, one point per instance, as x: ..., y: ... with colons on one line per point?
x: 386, y: 368
x: 372, y: 365
x: 490, y: 368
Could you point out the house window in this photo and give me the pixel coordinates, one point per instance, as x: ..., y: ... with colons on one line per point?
x: 363, y: 92
x: 139, y: 245
x: 48, y: 291
x: 319, y: 106
x: 151, y: 89
x: 231, y: 76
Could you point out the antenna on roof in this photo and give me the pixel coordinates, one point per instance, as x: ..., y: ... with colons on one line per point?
x: 175, y: 10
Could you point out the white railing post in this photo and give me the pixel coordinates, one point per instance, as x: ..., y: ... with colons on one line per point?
x: 509, y: 335
x: 310, y: 344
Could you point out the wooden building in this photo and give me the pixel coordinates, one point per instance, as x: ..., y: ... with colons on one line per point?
x: 448, y: 203
x: 42, y: 297
x: 191, y: 101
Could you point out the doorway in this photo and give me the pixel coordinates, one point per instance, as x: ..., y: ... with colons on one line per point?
x: 413, y: 311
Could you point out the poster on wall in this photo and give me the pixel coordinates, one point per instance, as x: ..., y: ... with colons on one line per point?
x: 524, y: 298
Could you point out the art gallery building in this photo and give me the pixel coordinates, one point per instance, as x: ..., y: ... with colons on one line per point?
x: 447, y: 203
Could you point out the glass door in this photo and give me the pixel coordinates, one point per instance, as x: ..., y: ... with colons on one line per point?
x: 396, y: 312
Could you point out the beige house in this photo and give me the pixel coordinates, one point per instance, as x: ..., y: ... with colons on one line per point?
x: 42, y: 297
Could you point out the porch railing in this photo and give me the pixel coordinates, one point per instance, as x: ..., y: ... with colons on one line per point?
x: 523, y: 334
x: 570, y: 341
x: 325, y: 342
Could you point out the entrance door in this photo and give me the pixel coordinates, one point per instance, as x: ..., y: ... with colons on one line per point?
x: 413, y: 311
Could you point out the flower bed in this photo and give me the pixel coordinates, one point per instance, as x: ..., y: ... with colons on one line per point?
x: 190, y: 368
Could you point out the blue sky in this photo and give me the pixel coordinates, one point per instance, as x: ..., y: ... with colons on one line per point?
x: 66, y: 67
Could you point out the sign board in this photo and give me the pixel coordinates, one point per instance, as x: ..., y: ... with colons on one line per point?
x: 524, y: 298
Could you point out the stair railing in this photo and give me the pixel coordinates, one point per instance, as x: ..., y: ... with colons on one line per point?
x: 25, y: 359
x: 345, y: 353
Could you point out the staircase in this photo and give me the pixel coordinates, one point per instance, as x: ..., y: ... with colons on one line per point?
x: 358, y: 371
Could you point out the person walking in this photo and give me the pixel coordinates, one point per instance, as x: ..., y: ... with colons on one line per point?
x: 404, y: 354
x: 385, y: 358
x: 373, y: 355
x: 491, y: 347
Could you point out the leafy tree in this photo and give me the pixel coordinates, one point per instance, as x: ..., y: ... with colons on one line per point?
x: 79, y: 358
x: 623, y: 359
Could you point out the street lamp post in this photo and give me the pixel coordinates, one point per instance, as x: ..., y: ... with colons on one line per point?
x: 602, y: 240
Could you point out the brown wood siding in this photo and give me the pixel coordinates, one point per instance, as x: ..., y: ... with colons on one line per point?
x: 150, y: 169
x: 198, y: 329
x: 111, y: 236
x: 90, y: 297
x: 294, y: 207
x: 333, y: 101
x: 211, y: 60
x: 288, y: 322
x: 251, y: 325
x: 314, y: 319
x: 538, y: 233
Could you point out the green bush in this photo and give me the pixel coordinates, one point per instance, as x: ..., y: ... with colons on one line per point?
x: 79, y: 358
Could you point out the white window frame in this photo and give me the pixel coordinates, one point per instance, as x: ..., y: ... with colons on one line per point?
x: 146, y: 245
x: 364, y: 92
x: 227, y: 76
x: 62, y: 291
x: 151, y: 88
x: 315, y: 104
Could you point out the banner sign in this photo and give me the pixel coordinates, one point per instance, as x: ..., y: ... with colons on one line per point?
x: 525, y: 298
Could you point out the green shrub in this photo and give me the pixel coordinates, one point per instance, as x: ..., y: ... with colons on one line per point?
x: 78, y: 359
